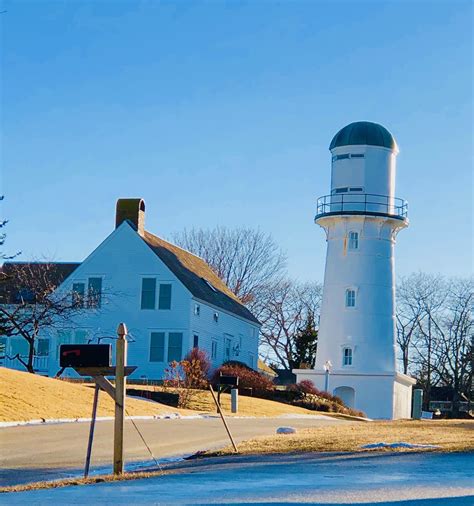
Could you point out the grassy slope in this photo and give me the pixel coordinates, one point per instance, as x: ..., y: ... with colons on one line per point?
x: 450, y: 435
x: 25, y: 396
x: 248, y: 406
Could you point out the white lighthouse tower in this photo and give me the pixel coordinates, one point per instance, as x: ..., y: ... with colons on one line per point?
x: 361, y: 217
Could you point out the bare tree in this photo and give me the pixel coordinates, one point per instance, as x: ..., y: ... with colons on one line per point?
x: 247, y: 260
x: 30, y: 304
x: 3, y: 236
x: 418, y: 296
x: 435, y: 331
x: 456, y: 331
x: 284, y: 311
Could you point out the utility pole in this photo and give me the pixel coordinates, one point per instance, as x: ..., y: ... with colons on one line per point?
x: 120, y: 385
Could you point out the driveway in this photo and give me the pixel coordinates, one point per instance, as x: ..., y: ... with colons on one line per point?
x: 379, y: 479
x: 51, y: 451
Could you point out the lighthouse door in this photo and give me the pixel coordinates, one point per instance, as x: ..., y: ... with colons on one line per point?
x: 346, y: 394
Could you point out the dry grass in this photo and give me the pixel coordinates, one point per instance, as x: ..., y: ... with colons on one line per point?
x: 450, y: 435
x: 25, y: 396
x: 42, y: 485
x: 248, y: 406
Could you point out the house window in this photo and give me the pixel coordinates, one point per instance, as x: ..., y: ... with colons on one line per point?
x: 252, y: 360
x: 157, y: 347
x: 350, y: 298
x: 164, y: 301
x: 195, y: 341
x: 353, y: 240
x: 347, y: 356
x: 148, y: 293
x: 197, y: 310
x: 95, y: 292
x: 175, y: 346
x: 216, y: 316
x: 78, y: 292
x: 214, y: 349
x: 42, y: 349
x: 228, y: 344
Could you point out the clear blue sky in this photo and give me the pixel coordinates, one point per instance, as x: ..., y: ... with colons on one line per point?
x: 221, y: 113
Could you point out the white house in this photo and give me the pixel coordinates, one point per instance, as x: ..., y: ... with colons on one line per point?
x: 170, y: 299
x: 361, y: 218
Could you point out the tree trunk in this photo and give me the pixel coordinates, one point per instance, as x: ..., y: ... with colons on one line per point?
x: 31, y: 357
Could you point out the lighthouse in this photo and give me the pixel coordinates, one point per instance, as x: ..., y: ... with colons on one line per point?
x: 361, y: 217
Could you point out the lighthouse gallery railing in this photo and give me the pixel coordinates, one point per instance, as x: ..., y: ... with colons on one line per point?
x: 362, y: 203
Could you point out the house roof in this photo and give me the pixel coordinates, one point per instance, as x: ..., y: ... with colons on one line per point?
x: 9, y: 290
x: 266, y: 369
x: 197, y: 276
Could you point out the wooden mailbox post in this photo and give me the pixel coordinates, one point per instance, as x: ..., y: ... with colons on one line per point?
x: 99, y: 375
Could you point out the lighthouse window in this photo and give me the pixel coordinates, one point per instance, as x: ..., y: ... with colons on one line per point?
x: 341, y: 190
x: 350, y: 298
x: 353, y: 240
x: 356, y: 189
x: 347, y: 356
x: 357, y: 155
x: 340, y: 157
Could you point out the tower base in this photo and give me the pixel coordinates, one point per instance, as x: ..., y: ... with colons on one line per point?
x: 383, y: 396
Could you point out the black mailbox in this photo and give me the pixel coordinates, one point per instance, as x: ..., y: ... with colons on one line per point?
x: 229, y: 380
x: 85, y: 355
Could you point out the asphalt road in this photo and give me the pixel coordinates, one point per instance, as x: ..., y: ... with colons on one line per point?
x: 43, y: 452
x: 416, y: 479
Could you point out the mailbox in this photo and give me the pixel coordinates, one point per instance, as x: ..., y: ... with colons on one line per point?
x: 232, y: 381
x: 85, y: 355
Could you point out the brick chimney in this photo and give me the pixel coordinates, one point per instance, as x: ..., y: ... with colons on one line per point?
x: 133, y: 211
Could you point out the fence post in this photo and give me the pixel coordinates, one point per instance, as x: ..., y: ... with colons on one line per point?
x: 417, y: 403
x: 234, y: 400
x: 120, y: 385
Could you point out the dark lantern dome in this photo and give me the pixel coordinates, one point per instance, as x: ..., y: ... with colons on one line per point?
x: 364, y: 133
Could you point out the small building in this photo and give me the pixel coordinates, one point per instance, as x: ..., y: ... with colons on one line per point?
x: 170, y: 299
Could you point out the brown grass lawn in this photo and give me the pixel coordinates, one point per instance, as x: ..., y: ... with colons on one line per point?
x: 248, y: 406
x: 25, y: 396
x: 202, y: 402
x: 450, y: 435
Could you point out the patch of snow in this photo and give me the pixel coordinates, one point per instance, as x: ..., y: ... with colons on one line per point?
x: 400, y: 444
x: 286, y: 430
